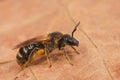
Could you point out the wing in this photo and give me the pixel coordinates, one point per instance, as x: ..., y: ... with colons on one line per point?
x: 43, y: 38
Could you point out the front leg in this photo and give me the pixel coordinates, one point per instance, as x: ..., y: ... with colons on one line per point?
x: 75, y: 50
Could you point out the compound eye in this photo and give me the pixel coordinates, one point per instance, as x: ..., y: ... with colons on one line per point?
x: 72, y: 42
x: 69, y: 41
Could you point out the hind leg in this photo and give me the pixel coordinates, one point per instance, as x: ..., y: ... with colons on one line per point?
x: 30, y: 58
x: 26, y: 64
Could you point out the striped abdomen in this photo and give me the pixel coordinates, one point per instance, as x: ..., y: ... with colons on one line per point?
x: 27, y: 51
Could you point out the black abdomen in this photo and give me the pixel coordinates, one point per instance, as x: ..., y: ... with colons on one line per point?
x: 26, y: 51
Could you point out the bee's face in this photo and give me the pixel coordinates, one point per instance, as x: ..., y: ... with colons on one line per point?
x: 70, y: 40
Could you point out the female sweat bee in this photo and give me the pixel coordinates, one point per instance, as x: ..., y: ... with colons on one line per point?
x: 43, y: 45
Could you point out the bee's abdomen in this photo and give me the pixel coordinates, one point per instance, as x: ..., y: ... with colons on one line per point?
x: 24, y: 52
x: 22, y: 55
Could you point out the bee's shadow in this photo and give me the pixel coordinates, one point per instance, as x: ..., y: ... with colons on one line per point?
x: 53, y: 57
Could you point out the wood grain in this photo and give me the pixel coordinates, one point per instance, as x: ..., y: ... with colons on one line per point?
x: 98, y: 34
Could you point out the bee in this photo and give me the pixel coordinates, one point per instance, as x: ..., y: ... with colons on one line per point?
x: 44, y: 45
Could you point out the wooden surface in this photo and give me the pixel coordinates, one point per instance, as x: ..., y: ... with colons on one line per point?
x: 98, y: 34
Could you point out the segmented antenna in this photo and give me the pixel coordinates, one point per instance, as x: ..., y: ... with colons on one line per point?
x: 75, y: 28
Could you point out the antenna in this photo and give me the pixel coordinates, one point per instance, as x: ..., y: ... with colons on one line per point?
x: 75, y: 28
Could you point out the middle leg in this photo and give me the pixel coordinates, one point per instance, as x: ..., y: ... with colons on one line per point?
x: 48, y: 58
x: 66, y: 56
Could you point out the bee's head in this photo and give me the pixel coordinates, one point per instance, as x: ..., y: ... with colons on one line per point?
x: 69, y: 40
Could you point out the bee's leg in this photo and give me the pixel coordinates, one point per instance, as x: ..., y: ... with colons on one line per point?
x: 75, y: 50
x: 48, y: 58
x: 23, y: 66
x: 30, y: 58
x: 26, y: 64
x: 66, y: 56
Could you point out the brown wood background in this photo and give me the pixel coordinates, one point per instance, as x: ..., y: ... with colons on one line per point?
x: 98, y: 34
